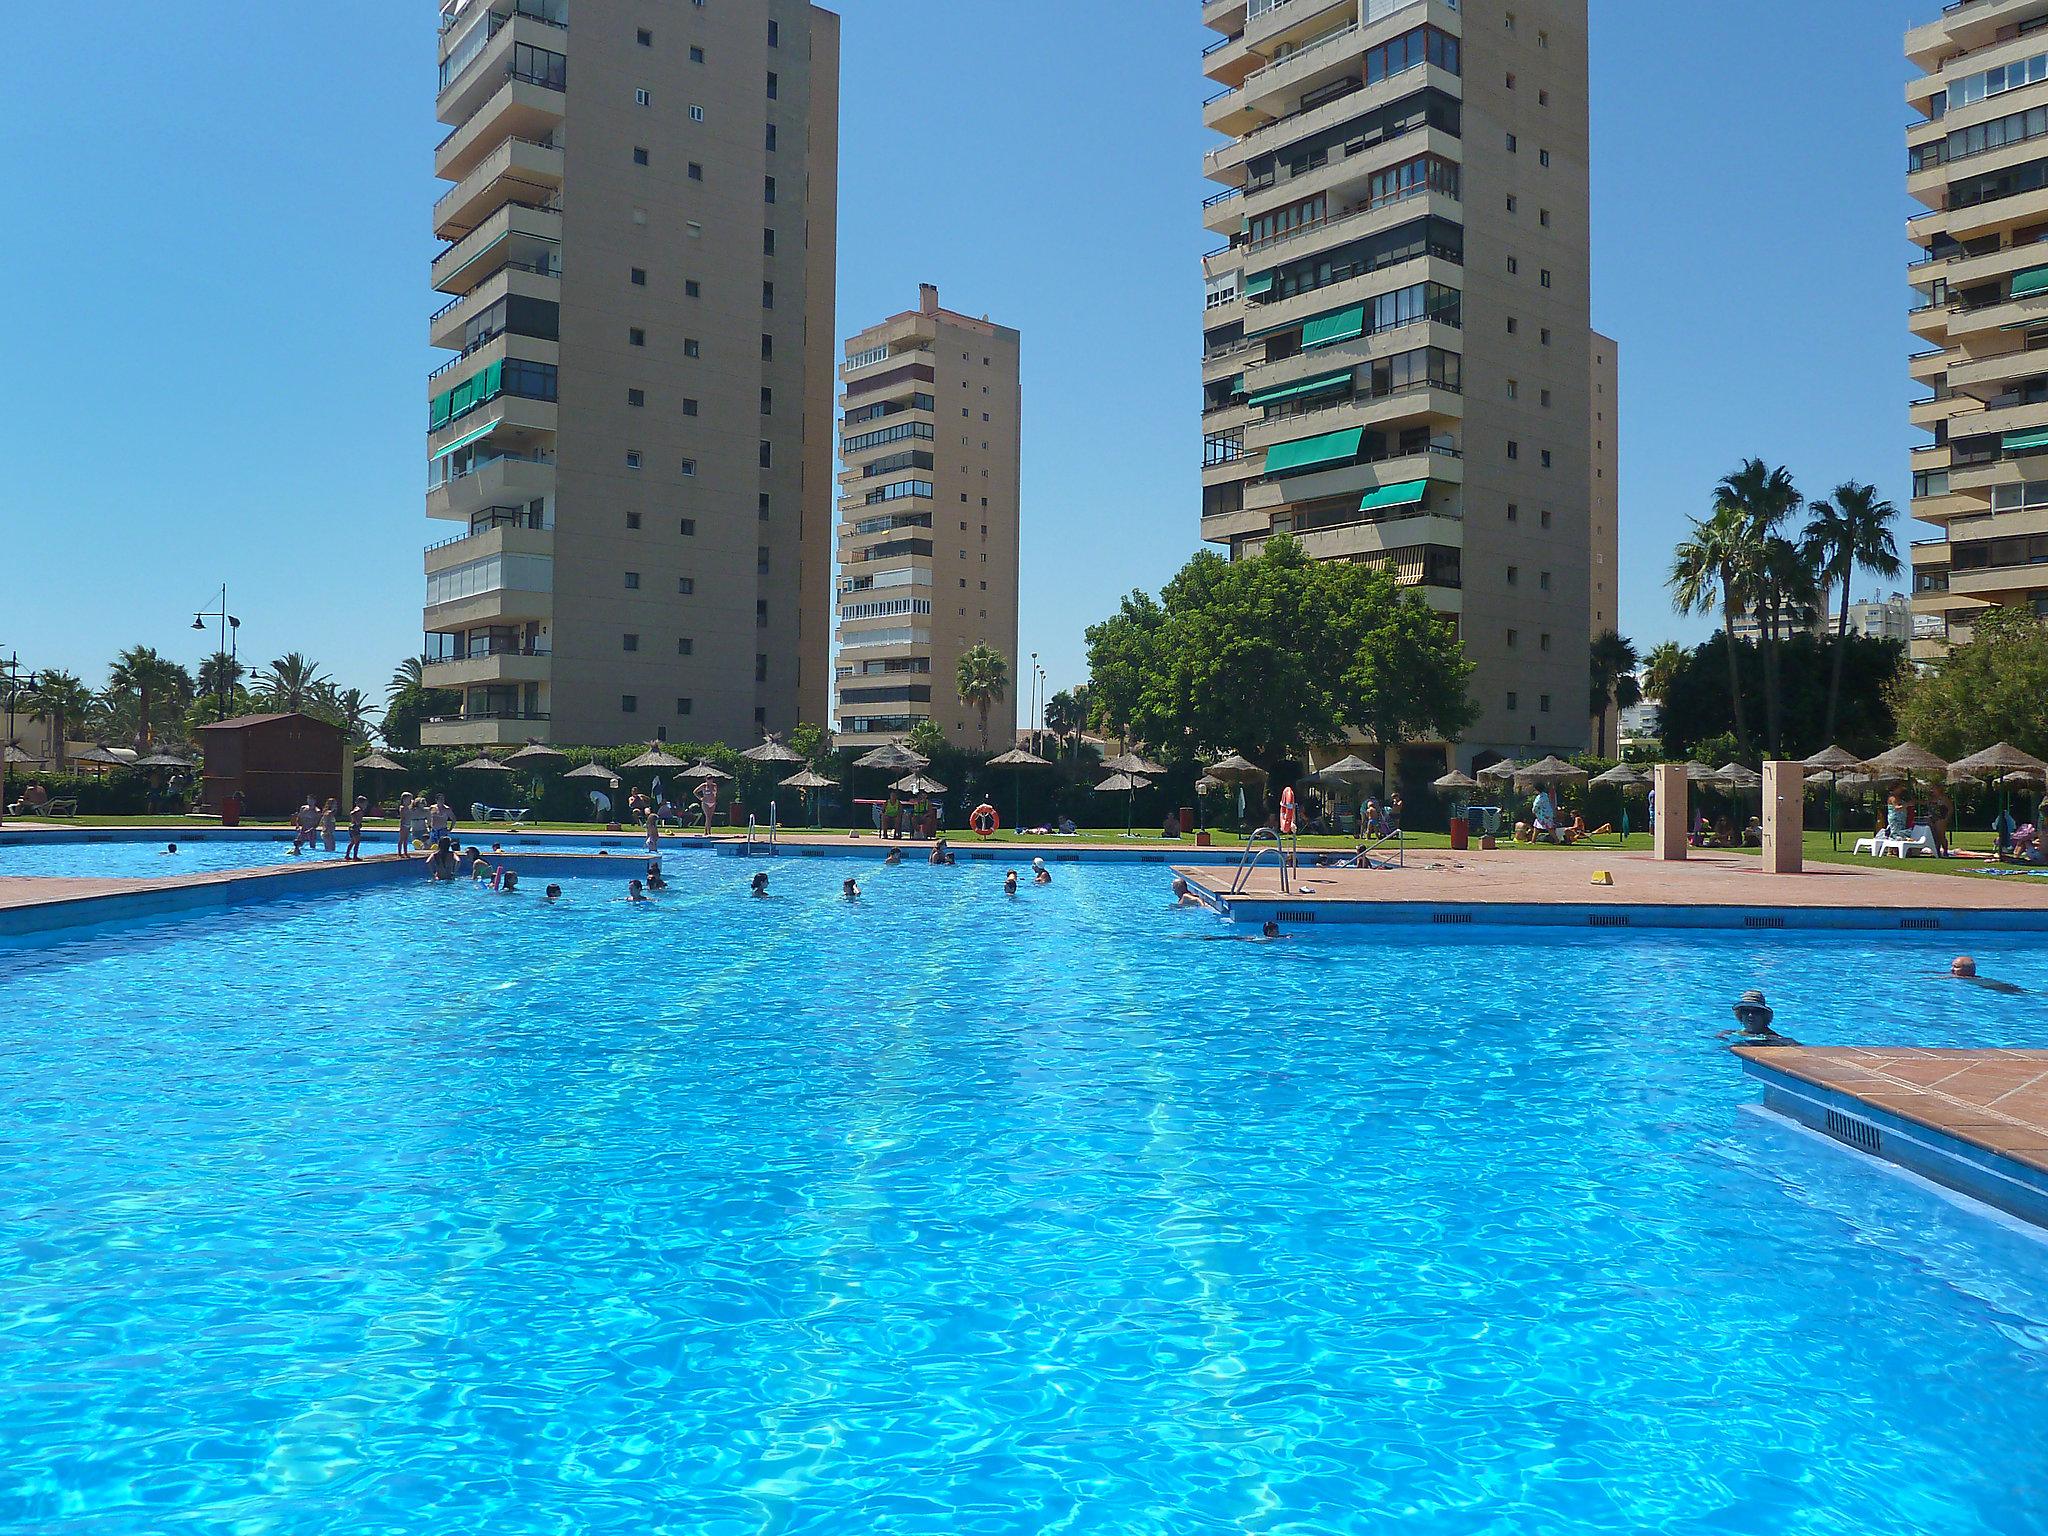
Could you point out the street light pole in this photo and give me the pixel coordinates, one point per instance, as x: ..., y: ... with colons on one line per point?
x: 12, y: 686
x: 1031, y: 715
x: 228, y: 622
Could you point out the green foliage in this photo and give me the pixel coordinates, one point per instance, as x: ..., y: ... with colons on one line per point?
x: 1271, y: 655
x: 1696, y: 702
x: 927, y: 739
x: 1613, y: 681
x: 406, y: 710
x: 144, y: 701
x: 982, y: 677
x: 1991, y: 688
x: 1661, y: 665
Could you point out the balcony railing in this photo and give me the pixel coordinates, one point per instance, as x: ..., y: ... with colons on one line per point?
x: 512, y: 72
x: 1379, y: 204
x: 486, y: 714
x: 483, y: 650
x: 448, y: 198
x: 492, y: 518
x: 552, y: 205
x: 538, y: 269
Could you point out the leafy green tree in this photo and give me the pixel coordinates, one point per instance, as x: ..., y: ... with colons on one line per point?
x: 1991, y: 688
x: 289, y: 684
x: 1614, y: 684
x: 409, y: 676
x: 64, y: 701
x: 219, y: 679
x: 982, y: 678
x: 1270, y: 655
x: 813, y: 743
x: 1696, y: 705
x: 927, y: 739
x: 1850, y: 530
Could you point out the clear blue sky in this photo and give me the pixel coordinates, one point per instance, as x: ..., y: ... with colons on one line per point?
x: 215, y: 349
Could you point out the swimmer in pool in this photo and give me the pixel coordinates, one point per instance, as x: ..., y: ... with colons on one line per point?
x: 1040, y: 875
x: 633, y: 892
x: 1010, y: 883
x: 893, y: 856
x: 169, y: 848
x: 1754, y: 1014
x: 1182, y: 896
x: 554, y: 893
x: 511, y: 882
x: 760, y: 883
x: 850, y: 888
x: 1963, y: 968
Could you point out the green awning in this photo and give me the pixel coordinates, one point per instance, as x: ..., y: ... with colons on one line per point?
x: 1254, y: 286
x: 1408, y: 493
x: 465, y: 440
x: 1236, y: 386
x: 1342, y: 325
x: 1307, y: 453
x: 1322, y: 384
x: 2027, y: 442
x: 2024, y: 283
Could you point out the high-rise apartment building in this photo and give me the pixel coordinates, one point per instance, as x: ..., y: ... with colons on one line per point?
x: 1398, y: 354
x: 640, y: 236
x: 1977, y: 157
x: 1603, y: 530
x: 928, y: 521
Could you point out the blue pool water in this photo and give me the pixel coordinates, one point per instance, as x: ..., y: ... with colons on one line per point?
x: 82, y: 856
x: 426, y: 1210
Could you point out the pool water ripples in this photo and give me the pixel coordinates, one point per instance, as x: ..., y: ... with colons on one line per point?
x: 428, y: 1209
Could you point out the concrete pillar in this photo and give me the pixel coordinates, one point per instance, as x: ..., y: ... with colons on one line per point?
x: 1784, y: 818
x: 1674, y: 811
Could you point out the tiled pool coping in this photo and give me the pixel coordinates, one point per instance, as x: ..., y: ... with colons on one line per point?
x: 1975, y: 1121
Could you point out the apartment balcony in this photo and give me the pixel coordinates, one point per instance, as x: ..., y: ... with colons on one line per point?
x: 1225, y: 16
x: 1997, y: 265
x: 516, y: 232
x: 521, y: 107
x: 513, y: 418
x: 1433, y: 405
x: 2000, y: 583
x: 1273, y: 92
x: 2001, y: 213
x: 2012, y: 416
x: 1345, y: 182
x: 1930, y: 322
x: 1396, y: 467
x: 1968, y: 25
x: 498, y: 531
x: 1223, y: 527
x: 445, y: 326
x: 1983, y: 323
x: 504, y: 481
x: 1408, y: 336
x: 1348, y: 541
x: 511, y: 22
x: 510, y: 730
x: 501, y: 605
x: 1287, y: 24
x: 513, y: 663
x: 518, y: 170
x: 1235, y: 357
x: 1928, y: 414
x: 1940, y: 509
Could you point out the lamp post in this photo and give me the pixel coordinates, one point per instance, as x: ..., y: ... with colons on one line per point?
x: 13, y: 684
x: 229, y: 624
x: 1031, y: 714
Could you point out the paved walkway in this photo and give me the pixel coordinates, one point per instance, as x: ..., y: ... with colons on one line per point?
x: 1564, y: 877
x: 1996, y: 1100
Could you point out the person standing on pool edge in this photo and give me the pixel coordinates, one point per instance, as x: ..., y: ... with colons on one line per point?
x: 357, y: 812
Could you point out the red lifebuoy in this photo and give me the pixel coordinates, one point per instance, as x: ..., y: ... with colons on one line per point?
x: 1288, y: 821
x: 984, y: 820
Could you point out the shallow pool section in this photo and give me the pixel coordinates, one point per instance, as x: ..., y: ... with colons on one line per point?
x: 128, y: 856
x: 428, y: 1209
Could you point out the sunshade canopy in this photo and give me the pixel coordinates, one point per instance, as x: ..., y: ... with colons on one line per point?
x: 1409, y: 493
x: 593, y: 771
x: 1620, y: 776
x: 1833, y: 760
x: 482, y: 765
x: 161, y: 760
x: 1122, y: 781
x: 808, y: 780
x: 1502, y: 772
x: 1735, y: 776
x: 1549, y: 770
x: 1131, y: 763
x: 537, y: 754
x: 1454, y: 782
x: 1906, y: 761
x: 705, y: 771
x: 1018, y: 758
x: 1235, y: 769
x: 1348, y: 768
x: 1324, y: 451
x: 654, y: 757
x: 1994, y: 761
x: 892, y: 755
x: 918, y: 784
x: 771, y: 751
x: 377, y: 762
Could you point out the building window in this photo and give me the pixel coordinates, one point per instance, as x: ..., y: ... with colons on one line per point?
x: 1543, y: 580
x: 1546, y: 399
x: 771, y: 138
x: 632, y: 642
x: 1511, y: 639
x: 767, y: 347
x: 639, y: 277
x: 696, y: 171
x: 645, y: 38
x: 1514, y: 450
x: 641, y: 98
x: 762, y: 510
x: 696, y: 114
x: 696, y: 55
x: 1513, y: 512
x: 767, y: 454
x: 632, y: 581
x: 1543, y: 217
x: 1511, y: 143
x: 1512, y: 388
x: 1546, y: 458
x: 1543, y: 157
x: 689, y: 406
x: 767, y: 295
x: 760, y: 613
x: 635, y: 337
x: 1543, y: 98
x: 636, y: 397
x: 1543, y: 703
x: 1512, y: 700
x: 1543, y: 517
x: 1511, y: 202
x: 760, y: 667
x: 632, y: 458
x: 774, y: 34
x: 1544, y: 277
x: 689, y: 466
x: 767, y: 401
x: 639, y: 155
x: 683, y: 706
x: 774, y: 86
x: 1511, y: 325
x: 1511, y: 80
x: 686, y: 586
x: 767, y: 242
x: 1514, y: 266
x: 1514, y: 574
x: 1543, y: 642
x: 687, y: 528
x: 632, y: 520
x: 692, y: 289
x: 685, y: 646
x: 690, y: 346
x: 629, y: 704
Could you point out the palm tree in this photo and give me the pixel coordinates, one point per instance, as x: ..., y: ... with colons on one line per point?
x: 1709, y: 569
x: 219, y: 676
x: 64, y: 701
x: 1661, y: 668
x: 290, y: 683
x: 409, y: 676
x: 1614, y: 681
x: 1763, y: 498
x: 143, y: 687
x: 1064, y: 716
x: 983, y: 680
x: 1851, y: 528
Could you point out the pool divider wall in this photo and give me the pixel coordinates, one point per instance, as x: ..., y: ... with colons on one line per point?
x: 1295, y: 912
x: 193, y: 893
x: 1871, y: 1130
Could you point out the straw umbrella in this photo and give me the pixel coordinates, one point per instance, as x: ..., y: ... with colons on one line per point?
x: 918, y: 784
x: 1135, y: 766
x: 14, y: 756
x: 1624, y: 777
x: 807, y: 781
x: 1208, y: 784
x: 1018, y: 759
x: 482, y: 765
x: 2002, y: 763
x: 1349, y: 770
x: 1551, y: 773
x: 594, y: 771
x: 771, y: 751
x: 1906, y: 763
x: 1125, y: 783
x: 1236, y: 769
x: 655, y: 758
x: 1739, y: 780
x: 1834, y: 762
x: 377, y: 762
x: 161, y: 760
x: 890, y: 757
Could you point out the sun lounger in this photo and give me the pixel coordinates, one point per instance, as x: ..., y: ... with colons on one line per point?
x: 1884, y: 845
x: 47, y: 808
x: 478, y: 811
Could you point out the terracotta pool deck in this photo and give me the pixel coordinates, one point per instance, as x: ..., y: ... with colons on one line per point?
x: 1975, y: 1121
x: 1556, y: 886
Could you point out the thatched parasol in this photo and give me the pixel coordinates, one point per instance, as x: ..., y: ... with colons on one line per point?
x: 377, y: 762
x: 771, y: 751
x: 807, y: 781
x: 13, y: 754
x: 1620, y: 776
x: 1018, y: 759
x: 893, y: 756
x: 1735, y: 776
x: 2003, y: 764
x: 1548, y: 772
x: 1455, y: 783
x: 1135, y: 766
x: 655, y: 758
x: 1235, y: 768
x: 161, y: 760
x: 594, y: 771
x: 705, y: 771
x: 482, y: 765
x: 534, y: 755
x: 1501, y: 774
x: 1128, y: 784
x: 1906, y: 762
x: 918, y: 784
x: 99, y: 757
x: 1834, y: 762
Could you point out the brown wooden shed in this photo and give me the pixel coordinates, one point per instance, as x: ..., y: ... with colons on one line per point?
x: 273, y: 762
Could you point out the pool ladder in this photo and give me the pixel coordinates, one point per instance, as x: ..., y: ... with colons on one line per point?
x: 754, y: 829
x: 1264, y: 840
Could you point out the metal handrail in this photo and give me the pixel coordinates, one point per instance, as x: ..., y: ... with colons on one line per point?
x: 1254, y: 852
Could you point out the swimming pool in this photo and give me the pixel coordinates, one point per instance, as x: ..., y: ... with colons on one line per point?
x: 88, y: 855
x: 424, y: 1209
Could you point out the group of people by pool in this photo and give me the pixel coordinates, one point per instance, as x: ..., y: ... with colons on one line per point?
x: 314, y: 825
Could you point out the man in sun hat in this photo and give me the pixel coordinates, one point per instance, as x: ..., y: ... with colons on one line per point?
x: 1754, y: 1014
